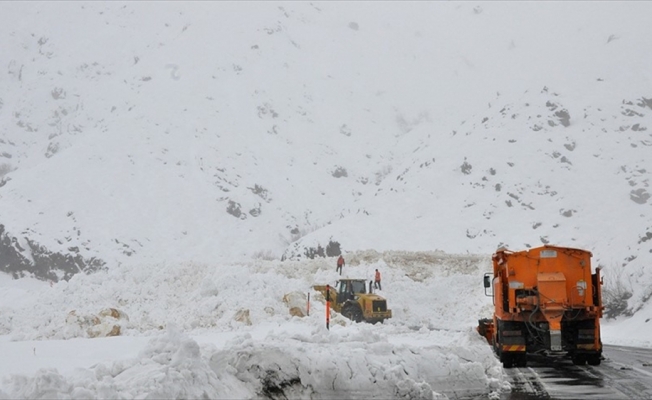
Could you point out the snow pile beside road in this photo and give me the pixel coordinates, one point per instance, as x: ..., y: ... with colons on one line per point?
x: 197, y: 347
x: 346, y: 362
x: 170, y: 366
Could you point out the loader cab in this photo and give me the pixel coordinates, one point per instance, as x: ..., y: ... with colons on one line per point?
x: 347, y: 289
x: 358, y: 286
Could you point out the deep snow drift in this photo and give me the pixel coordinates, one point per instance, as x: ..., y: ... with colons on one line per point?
x: 182, y: 339
x: 185, y: 335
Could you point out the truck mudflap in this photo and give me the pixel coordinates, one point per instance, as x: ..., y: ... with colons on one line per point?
x: 512, y: 355
x: 513, y: 348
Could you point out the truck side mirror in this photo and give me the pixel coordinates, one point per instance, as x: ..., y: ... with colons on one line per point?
x: 370, y: 287
x: 487, y: 284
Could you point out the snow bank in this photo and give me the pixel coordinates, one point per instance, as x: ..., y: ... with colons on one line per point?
x: 197, y: 348
x: 170, y: 366
x: 346, y: 362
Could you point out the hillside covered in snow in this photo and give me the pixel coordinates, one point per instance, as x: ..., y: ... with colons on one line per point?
x: 151, y: 132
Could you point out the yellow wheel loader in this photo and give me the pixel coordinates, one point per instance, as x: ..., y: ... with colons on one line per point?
x: 351, y: 298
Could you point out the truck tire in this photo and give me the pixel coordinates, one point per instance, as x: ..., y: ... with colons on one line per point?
x: 593, y: 359
x: 352, y: 311
x: 579, y: 359
x: 507, y: 360
x: 521, y: 360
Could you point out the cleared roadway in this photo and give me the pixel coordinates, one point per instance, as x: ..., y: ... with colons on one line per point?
x: 625, y: 373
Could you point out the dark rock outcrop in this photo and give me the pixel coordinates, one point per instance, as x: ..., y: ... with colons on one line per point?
x: 46, y: 265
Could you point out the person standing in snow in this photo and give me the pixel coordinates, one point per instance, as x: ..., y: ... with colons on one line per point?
x: 377, y: 280
x: 340, y: 264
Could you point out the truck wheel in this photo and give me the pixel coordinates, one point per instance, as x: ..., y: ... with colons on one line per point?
x: 352, y: 312
x: 578, y: 359
x: 521, y: 360
x: 593, y: 359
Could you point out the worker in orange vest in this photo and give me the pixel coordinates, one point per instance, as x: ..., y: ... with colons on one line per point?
x: 377, y: 280
x: 340, y: 264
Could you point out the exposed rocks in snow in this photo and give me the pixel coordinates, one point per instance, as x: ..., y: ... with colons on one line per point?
x: 299, y: 250
x: 242, y: 315
x: 40, y: 262
x: 643, y: 102
x: 296, y: 302
x: 639, y: 196
x: 647, y: 236
x: 339, y: 172
x: 113, y: 313
x: 466, y: 167
x: 261, y: 192
x: 105, y: 324
x: 564, y: 117
x: 567, y: 213
x: 233, y: 208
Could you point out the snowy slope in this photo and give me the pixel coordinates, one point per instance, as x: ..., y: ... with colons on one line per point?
x: 171, y: 132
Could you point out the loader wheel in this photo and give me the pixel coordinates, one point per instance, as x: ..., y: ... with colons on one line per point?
x: 352, y: 312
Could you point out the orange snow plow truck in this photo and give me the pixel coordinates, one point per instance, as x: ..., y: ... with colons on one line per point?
x: 547, y: 301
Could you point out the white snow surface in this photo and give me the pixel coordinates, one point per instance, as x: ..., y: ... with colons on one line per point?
x: 429, y: 132
x: 130, y: 133
x: 182, y: 340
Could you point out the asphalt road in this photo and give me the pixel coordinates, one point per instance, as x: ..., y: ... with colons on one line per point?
x: 625, y: 373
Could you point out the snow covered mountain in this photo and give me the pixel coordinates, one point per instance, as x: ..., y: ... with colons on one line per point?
x: 148, y: 132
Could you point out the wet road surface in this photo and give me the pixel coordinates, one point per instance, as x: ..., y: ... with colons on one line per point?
x: 625, y: 373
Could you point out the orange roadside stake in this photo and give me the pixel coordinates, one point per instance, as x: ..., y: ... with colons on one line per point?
x: 328, y: 306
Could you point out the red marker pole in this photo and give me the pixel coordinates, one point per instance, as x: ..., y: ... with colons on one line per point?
x: 328, y: 306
